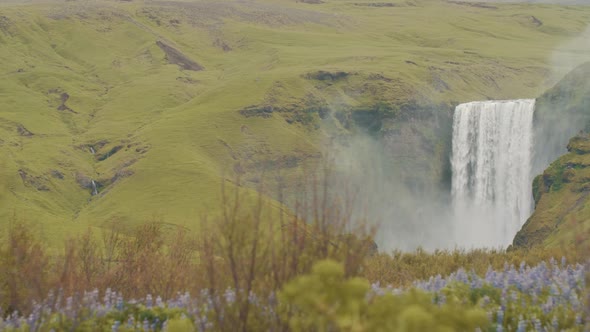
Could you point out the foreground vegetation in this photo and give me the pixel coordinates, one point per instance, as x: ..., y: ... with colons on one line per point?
x: 244, y: 273
x: 548, y: 297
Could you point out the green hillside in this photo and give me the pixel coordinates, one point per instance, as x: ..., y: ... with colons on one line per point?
x: 174, y: 96
x: 562, y: 214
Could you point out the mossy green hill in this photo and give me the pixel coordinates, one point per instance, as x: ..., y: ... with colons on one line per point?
x: 174, y: 96
x: 561, y: 216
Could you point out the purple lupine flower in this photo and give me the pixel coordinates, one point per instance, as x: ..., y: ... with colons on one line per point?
x: 555, y: 323
x: 115, y: 327
x: 31, y: 321
x: 476, y: 281
x: 229, y: 295
x: 547, y: 307
x: 485, y: 300
x: 376, y: 288
x: 514, y: 296
x: 252, y: 298
x: 14, y: 319
x: 119, y: 302
x: 521, y: 325
x: 148, y: 301
x: 107, y: 298
x: 462, y: 276
x: 69, y: 304
x: 537, y: 324
x: 500, y: 317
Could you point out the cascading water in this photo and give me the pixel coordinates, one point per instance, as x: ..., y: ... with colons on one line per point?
x: 491, y: 164
x: 94, y: 188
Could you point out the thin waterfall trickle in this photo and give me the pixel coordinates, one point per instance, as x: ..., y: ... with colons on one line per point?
x: 491, y: 164
x: 94, y: 188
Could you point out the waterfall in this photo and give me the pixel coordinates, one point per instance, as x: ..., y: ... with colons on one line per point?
x: 491, y: 164
x: 92, y: 150
x: 94, y: 189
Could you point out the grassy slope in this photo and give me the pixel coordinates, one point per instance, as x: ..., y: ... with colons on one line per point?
x: 562, y: 212
x: 180, y: 130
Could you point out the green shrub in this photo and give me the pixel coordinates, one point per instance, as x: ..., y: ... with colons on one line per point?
x: 325, y: 300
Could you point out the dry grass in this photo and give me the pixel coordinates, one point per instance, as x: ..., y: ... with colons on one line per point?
x: 401, y: 269
x: 242, y: 249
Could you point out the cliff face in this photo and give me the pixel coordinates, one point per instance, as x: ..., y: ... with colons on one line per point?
x: 562, y: 190
x: 562, y: 198
x: 560, y: 113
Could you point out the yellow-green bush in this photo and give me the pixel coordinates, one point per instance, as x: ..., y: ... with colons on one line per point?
x: 325, y: 300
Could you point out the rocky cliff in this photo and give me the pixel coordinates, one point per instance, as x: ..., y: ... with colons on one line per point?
x: 562, y: 190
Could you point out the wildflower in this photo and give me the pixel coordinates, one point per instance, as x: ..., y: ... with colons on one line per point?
x: 229, y: 295
x: 555, y: 323
x: 500, y: 317
x: 119, y: 305
x: 107, y: 298
x: 115, y: 327
x: 537, y: 324
x: 521, y: 325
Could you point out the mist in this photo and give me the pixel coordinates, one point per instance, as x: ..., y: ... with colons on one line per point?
x: 560, y: 113
x: 410, y: 214
x: 570, y: 54
x: 406, y: 216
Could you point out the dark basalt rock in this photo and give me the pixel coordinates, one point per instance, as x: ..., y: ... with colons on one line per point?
x: 64, y: 97
x: 22, y: 131
x: 257, y: 111
x: 109, y: 153
x: 176, y: 57
x: 322, y: 75
x: 57, y: 174
x: 36, y: 182
x: 377, y: 4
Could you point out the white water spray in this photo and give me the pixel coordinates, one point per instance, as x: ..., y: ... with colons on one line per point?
x: 92, y: 150
x: 491, y: 163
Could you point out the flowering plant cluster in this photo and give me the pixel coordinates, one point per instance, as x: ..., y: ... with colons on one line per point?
x: 547, y: 297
